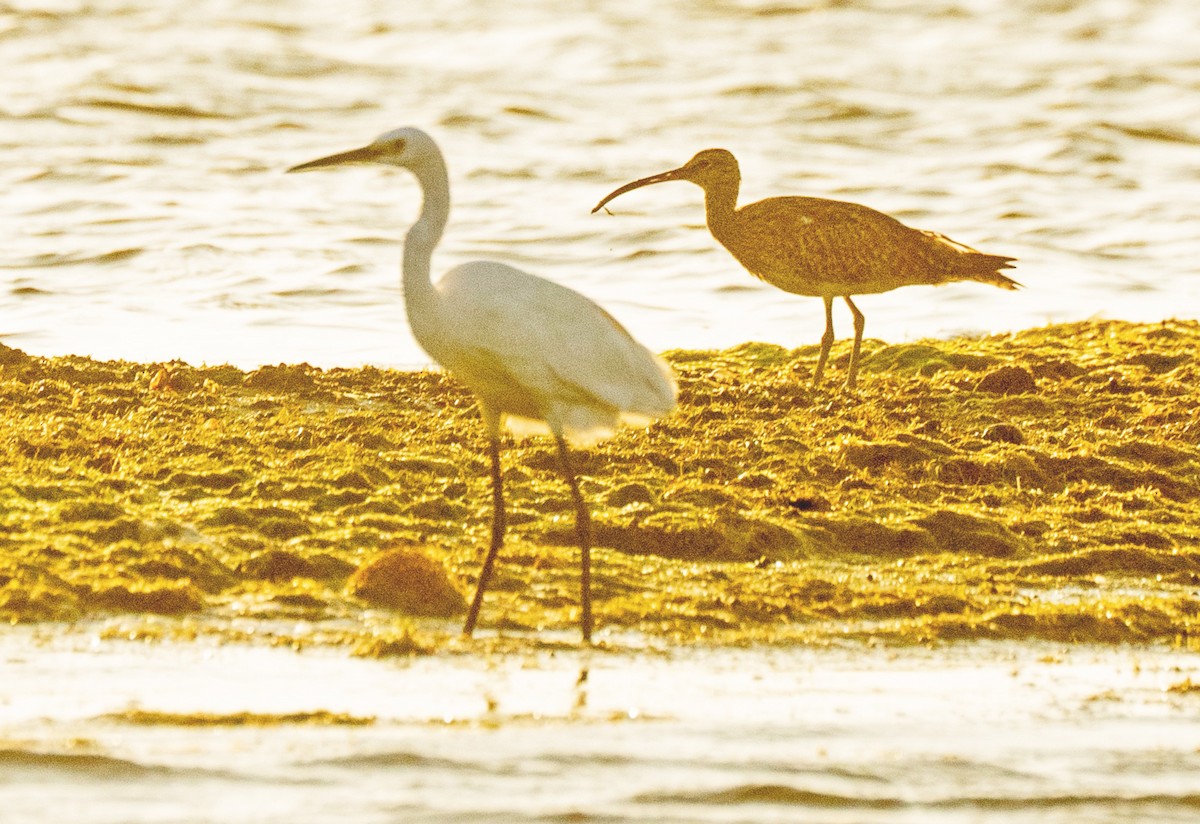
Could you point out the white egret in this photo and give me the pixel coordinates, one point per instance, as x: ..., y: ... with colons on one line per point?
x: 824, y: 248
x: 537, y: 356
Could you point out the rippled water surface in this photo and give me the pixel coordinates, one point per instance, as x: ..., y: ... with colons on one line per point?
x: 105, y: 731
x: 148, y: 217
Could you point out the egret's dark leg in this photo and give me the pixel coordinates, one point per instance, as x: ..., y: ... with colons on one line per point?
x: 499, y: 521
x: 860, y: 323
x: 583, y: 534
x: 826, y: 341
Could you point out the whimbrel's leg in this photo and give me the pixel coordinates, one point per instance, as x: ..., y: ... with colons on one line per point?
x: 860, y: 322
x: 583, y: 534
x: 826, y: 341
x: 499, y: 521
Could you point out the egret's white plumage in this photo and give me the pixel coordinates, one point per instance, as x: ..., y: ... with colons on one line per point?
x: 538, y: 356
x: 569, y: 369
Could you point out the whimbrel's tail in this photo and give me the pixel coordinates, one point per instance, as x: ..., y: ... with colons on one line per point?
x: 985, y: 269
x: 971, y: 264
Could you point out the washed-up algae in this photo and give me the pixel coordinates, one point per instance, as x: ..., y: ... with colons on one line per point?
x: 152, y: 718
x: 1039, y: 485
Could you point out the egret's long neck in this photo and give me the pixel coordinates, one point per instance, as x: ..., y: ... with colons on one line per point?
x: 420, y: 296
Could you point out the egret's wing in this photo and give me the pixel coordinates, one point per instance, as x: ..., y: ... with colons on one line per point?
x: 535, y: 349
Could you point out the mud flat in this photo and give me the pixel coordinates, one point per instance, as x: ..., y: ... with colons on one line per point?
x: 1039, y: 485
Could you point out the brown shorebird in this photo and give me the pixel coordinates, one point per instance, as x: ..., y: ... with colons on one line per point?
x: 824, y: 248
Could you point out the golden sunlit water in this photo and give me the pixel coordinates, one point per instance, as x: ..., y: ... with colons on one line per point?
x: 983, y: 732
x: 142, y: 152
x: 144, y: 145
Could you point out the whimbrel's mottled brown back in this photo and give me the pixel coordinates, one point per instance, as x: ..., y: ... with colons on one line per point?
x: 818, y: 247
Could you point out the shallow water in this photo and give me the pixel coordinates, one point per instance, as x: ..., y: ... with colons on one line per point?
x: 142, y: 146
x: 106, y: 731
